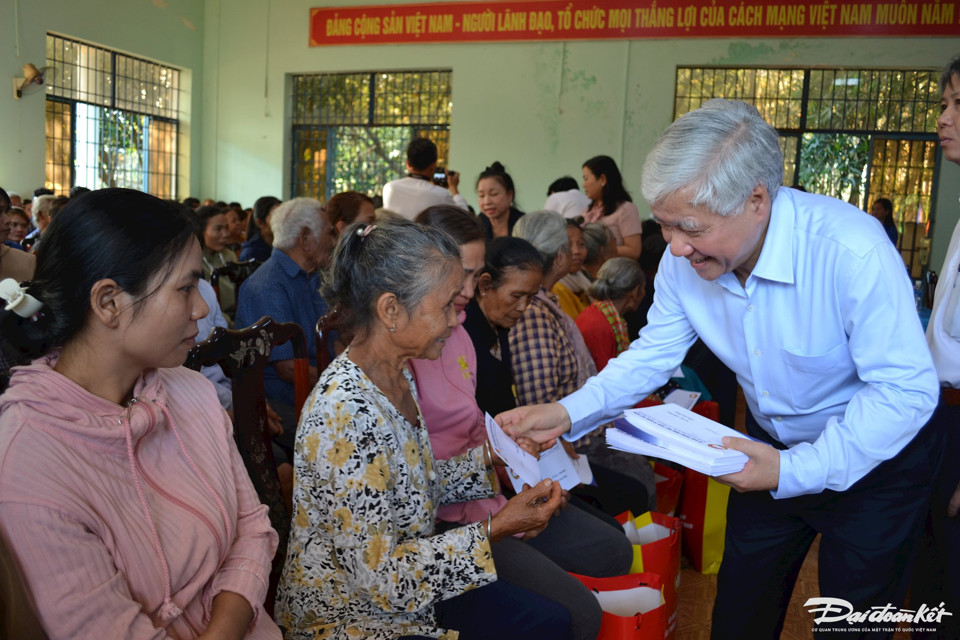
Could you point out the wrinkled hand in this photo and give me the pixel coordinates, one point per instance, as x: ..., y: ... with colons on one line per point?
x: 762, y: 471
x: 528, y: 512
x: 539, y: 422
x: 954, y: 505
x: 274, y: 425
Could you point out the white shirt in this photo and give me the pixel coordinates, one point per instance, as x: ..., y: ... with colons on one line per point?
x: 409, y: 196
x: 569, y: 204
x: 943, y: 330
x: 824, y: 338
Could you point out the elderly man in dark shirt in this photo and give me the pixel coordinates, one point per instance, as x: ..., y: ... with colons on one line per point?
x: 287, y: 288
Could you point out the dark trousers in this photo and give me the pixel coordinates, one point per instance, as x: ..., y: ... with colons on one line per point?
x: 505, y: 612
x: 869, y: 533
x: 936, y: 577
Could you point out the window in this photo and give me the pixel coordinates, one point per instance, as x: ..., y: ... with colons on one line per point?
x: 350, y: 131
x: 855, y: 134
x: 111, y: 120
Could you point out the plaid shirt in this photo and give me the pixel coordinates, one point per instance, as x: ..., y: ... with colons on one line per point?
x: 544, y: 361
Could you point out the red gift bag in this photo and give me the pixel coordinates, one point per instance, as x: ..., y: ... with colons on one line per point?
x: 669, y: 482
x: 703, y: 510
x: 633, y: 606
x: 656, y: 549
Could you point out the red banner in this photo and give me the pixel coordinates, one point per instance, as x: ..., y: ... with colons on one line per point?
x: 623, y: 19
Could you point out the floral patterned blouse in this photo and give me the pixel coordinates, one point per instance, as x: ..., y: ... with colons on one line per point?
x: 362, y: 560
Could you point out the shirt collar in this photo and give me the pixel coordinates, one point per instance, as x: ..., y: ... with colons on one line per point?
x: 776, y: 258
x: 289, y: 266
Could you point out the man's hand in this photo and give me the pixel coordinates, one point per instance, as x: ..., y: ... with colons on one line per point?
x: 762, y: 471
x: 274, y: 424
x: 539, y: 422
x: 453, y: 182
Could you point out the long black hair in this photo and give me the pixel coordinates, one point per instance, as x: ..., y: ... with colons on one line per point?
x: 614, y: 193
x: 125, y: 235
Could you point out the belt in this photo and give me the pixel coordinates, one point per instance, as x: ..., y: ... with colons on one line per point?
x: 950, y: 396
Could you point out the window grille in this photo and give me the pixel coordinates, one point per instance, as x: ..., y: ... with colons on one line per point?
x: 350, y: 131
x: 855, y: 134
x: 112, y: 120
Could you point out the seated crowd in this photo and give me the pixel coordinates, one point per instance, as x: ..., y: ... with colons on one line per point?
x: 403, y: 520
x: 125, y: 502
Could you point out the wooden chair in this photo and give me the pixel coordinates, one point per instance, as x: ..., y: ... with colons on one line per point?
x: 235, y: 272
x: 326, y: 325
x: 243, y: 354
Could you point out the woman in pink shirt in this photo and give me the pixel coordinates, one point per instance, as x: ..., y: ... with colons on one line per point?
x: 612, y: 205
x: 122, y: 494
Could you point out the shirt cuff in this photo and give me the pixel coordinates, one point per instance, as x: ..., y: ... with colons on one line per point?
x: 801, y: 472
x: 240, y: 576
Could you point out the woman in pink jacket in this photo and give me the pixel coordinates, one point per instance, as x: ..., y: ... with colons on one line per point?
x: 122, y: 494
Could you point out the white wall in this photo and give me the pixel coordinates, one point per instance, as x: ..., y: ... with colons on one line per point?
x: 169, y: 31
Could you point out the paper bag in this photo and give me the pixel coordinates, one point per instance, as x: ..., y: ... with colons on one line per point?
x: 656, y: 549
x: 669, y: 481
x: 633, y: 606
x: 703, y: 510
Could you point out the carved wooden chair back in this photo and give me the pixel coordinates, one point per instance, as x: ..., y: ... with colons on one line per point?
x: 326, y: 325
x: 235, y: 272
x: 243, y: 354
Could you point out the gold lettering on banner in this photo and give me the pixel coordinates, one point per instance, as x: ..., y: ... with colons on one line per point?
x: 338, y: 26
x: 688, y: 17
x: 510, y: 21
x: 653, y: 18
x: 745, y: 16
x: 937, y: 14
x: 594, y: 18
x: 781, y: 15
x: 479, y: 22
x: 894, y: 14
x: 440, y: 24
x: 541, y: 21
x: 712, y: 16
x: 856, y: 14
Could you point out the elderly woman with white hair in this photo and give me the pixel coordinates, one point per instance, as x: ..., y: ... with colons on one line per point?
x: 364, y: 558
x: 618, y: 290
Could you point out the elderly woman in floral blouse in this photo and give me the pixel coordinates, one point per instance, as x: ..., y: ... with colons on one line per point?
x: 363, y: 559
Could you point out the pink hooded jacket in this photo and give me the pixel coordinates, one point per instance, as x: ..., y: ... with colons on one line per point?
x: 127, y: 521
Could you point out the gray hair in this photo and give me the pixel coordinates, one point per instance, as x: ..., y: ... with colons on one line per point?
x: 597, y: 238
x: 396, y: 256
x: 42, y: 204
x: 545, y: 230
x: 291, y: 216
x: 720, y: 153
x: 616, y: 278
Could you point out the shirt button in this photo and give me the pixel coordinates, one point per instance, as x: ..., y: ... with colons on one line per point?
x: 756, y: 352
x: 749, y: 307
x: 432, y: 475
x: 766, y: 394
x: 778, y: 419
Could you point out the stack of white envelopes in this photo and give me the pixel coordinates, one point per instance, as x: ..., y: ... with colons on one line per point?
x: 673, y: 433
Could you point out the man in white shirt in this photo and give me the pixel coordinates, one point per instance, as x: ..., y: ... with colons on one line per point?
x: 807, y: 301
x: 937, y: 577
x: 565, y: 197
x: 410, y: 195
